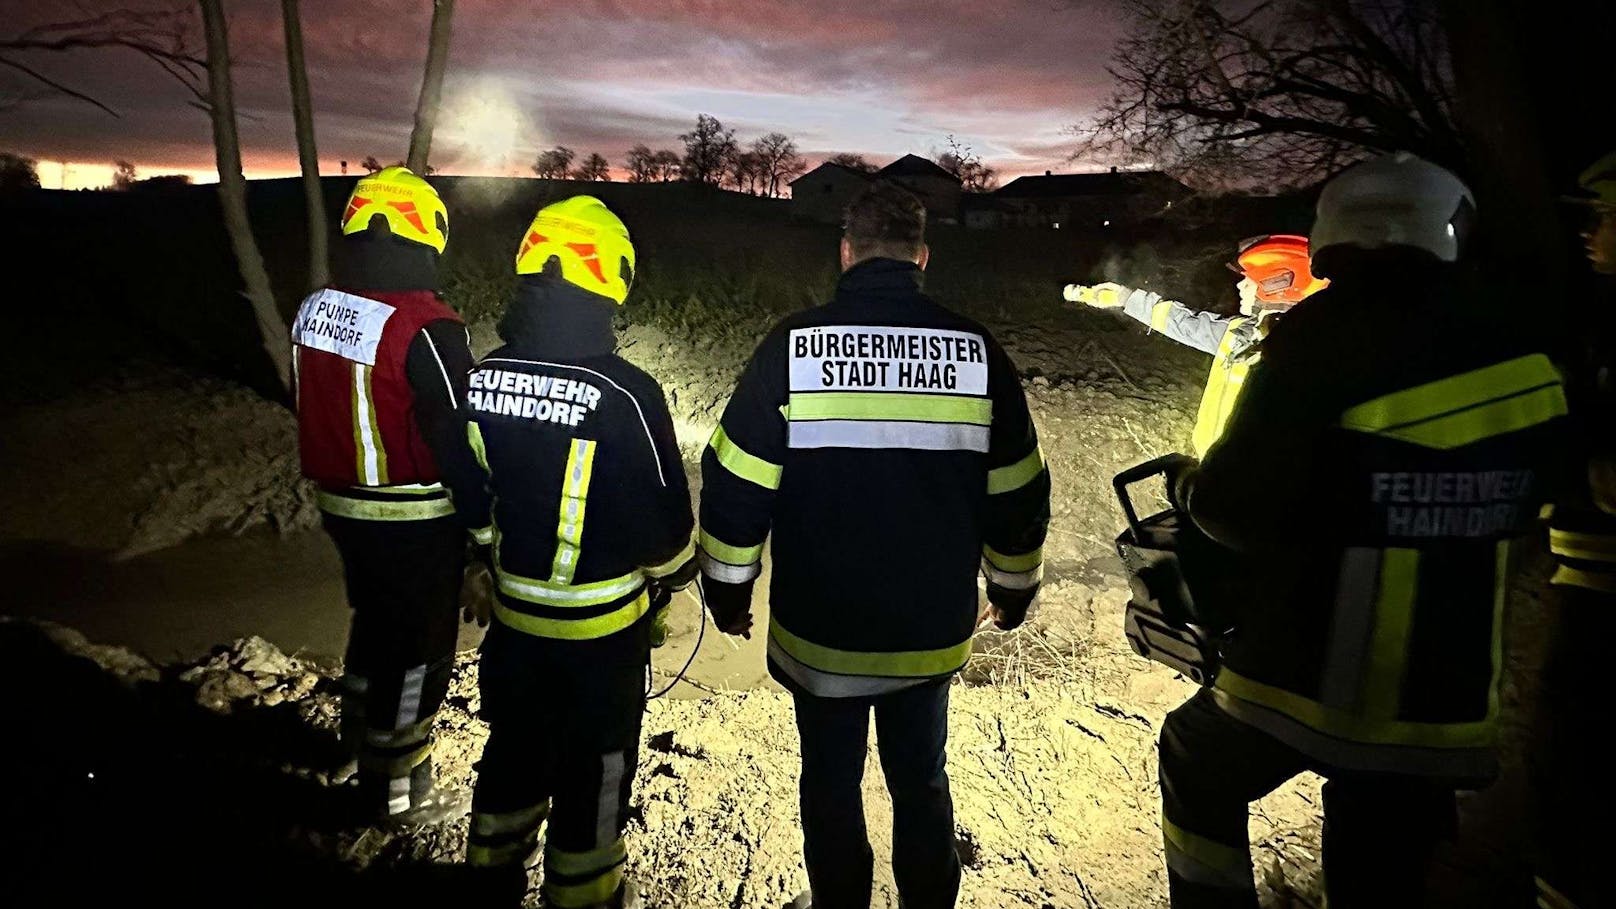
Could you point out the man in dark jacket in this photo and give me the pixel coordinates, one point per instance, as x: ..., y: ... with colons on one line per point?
x: 1408, y: 429
x: 583, y: 499
x: 886, y: 444
x: 381, y: 367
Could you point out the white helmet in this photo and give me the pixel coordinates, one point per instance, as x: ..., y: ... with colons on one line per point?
x: 1396, y: 200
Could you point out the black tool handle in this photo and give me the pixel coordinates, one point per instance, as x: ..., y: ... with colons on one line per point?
x: 1156, y: 467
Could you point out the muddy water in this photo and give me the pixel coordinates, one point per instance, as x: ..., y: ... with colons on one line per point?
x: 178, y: 603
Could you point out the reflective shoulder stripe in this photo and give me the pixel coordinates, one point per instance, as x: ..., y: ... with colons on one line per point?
x: 1017, y: 475
x: 898, y: 406
x: 1466, y: 408
x: 474, y: 435
x: 1352, y: 727
x: 895, y: 664
x: 551, y: 593
x: 743, y: 464
x: 673, y: 564
x: 574, y: 864
x: 574, y: 629
x: 392, y: 510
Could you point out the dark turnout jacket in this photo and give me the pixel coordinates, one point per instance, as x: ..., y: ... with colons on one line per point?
x: 1397, y: 433
x: 885, y: 443
x: 581, y: 490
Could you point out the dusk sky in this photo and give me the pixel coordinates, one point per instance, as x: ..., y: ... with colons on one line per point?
x: 879, y: 77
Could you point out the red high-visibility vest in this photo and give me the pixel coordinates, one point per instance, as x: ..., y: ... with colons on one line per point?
x: 355, y: 408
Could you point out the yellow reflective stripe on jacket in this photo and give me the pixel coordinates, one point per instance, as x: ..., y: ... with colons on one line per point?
x: 1017, y: 475
x: 474, y: 435
x: 550, y: 593
x: 1388, y: 643
x: 574, y: 499
x: 575, y: 864
x: 1223, y: 386
x: 1013, y: 563
x: 383, y: 510
x: 1566, y: 576
x: 1586, y: 547
x: 1351, y: 726
x: 1160, y: 314
x: 1466, y: 408
x: 369, y: 452
x: 724, y: 552
x: 483, y: 536
x: 743, y: 464
x: 673, y: 564
x: 896, y: 664
x: 575, y: 629
x: 872, y: 405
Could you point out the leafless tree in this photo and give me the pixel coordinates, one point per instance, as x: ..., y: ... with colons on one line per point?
x: 708, y: 150
x: 233, y: 194
x: 1278, y: 91
x: 964, y: 163
x: 17, y: 172
x: 426, y: 109
x: 554, y: 164
x: 779, y: 161
x: 594, y: 168
x: 124, y: 176
x: 162, y: 36
x: 747, y: 172
x: 308, y: 155
x: 852, y: 161
x: 669, y: 165
x: 640, y: 164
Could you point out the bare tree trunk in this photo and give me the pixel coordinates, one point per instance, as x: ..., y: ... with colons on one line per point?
x: 307, y: 155
x: 233, y: 195
x: 426, y: 110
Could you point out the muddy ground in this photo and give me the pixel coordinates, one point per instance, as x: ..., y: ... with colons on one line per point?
x: 212, y: 764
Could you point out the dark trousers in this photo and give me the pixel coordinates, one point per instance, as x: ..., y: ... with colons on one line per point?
x: 563, y: 744
x: 1380, y: 830
x: 911, y: 729
x: 403, y: 583
x: 1568, y: 751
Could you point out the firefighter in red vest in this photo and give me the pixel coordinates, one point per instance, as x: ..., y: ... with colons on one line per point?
x: 380, y: 371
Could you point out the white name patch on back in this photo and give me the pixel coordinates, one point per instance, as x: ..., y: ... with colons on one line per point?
x: 884, y: 358
x: 343, y: 324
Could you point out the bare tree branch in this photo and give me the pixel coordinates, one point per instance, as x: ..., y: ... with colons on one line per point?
x: 163, y: 37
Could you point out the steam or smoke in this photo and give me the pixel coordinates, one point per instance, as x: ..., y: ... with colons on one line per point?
x: 481, y: 129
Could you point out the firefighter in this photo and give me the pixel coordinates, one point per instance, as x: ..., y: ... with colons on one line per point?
x: 583, y: 499
x: 1398, y: 467
x: 886, y: 444
x: 380, y: 365
x: 1582, y: 537
x: 1274, y: 276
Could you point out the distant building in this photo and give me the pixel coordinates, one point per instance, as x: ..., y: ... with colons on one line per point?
x: 1088, y: 201
x: 822, y: 194
x: 981, y: 211
x: 938, y: 189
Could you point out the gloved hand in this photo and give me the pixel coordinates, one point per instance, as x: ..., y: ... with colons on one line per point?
x: 477, y: 594
x: 661, y: 602
x: 1007, y: 608
x: 730, y: 605
x: 1177, y: 470
x: 1099, y: 296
